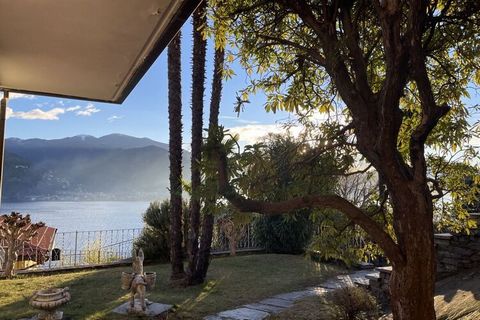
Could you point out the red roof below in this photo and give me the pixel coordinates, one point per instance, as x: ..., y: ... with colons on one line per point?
x: 40, y: 244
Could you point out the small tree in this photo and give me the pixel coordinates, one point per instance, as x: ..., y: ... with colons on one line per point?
x: 234, y: 225
x: 15, y: 231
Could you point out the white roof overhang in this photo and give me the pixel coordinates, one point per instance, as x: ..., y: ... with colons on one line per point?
x: 84, y: 49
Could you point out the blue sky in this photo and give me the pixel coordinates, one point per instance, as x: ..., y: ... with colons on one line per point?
x: 143, y: 113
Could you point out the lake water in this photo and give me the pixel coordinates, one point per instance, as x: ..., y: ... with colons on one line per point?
x: 82, y: 216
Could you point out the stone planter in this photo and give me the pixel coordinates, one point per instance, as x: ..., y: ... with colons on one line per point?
x: 48, y: 300
x: 126, y: 280
x: 150, y: 278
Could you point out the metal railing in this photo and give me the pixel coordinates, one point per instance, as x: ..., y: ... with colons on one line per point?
x: 78, y: 248
x: 89, y: 248
x: 247, y: 242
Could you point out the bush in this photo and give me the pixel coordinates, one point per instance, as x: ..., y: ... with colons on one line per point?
x: 155, y: 237
x: 353, y: 303
x: 96, y: 254
x: 284, y: 234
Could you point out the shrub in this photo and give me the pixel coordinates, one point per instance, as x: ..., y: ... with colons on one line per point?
x: 284, y: 234
x: 353, y: 303
x: 94, y: 253
x: 155, y: 236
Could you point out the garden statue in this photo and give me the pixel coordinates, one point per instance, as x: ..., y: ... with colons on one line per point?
x: 138, y: 282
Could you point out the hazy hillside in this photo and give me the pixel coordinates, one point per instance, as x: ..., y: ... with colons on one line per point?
x: 113, y: 167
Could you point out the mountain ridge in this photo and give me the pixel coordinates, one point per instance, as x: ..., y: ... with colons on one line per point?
x: 83, y: 167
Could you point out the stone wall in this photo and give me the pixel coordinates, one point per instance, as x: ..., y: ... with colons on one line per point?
x: 454, y: 253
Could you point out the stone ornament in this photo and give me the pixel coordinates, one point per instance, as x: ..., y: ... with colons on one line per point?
x: 138, y: 282
x: 48, y: 300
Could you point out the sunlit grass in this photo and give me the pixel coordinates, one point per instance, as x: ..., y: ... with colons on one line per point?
x: 231, y: 282
x: 458, y: 297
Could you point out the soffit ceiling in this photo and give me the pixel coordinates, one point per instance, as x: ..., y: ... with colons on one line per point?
x: 86, y: 49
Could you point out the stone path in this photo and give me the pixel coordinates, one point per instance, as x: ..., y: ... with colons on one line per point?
x: 263, y: 309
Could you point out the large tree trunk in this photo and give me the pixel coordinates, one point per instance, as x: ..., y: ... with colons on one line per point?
x: 175, y: 150
x: 198, y: 88
x: 412, y: 284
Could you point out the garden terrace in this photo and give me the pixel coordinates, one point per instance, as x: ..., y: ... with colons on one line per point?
x: 230, y: 283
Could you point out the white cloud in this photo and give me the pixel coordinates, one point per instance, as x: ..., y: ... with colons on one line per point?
x: 238, y: 120
x: 254, y: 133
x: 114, y: 118
x: 88, y: 110
x: 36, y: 114
x: 53, y: 113
x: 14, y: 95
x: 75, y: 108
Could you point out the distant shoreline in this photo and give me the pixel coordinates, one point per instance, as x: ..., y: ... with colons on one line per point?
x: 33, y: 201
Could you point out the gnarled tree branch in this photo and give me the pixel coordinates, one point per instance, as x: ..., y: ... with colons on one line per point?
x: 359, y: 217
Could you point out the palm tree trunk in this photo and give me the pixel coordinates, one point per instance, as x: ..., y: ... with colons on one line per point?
x: 203, y: 261
x: 198, y: 89
x: 175, y: 150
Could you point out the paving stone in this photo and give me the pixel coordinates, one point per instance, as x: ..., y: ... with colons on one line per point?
x: 277, y: 302
x: 365, y: 265
x: 317, y: 291
x: 153, y: 309
x: 214, y: 317
x: 358, y: 277
x: 332, y: 284
x: 294, y: 296
x: 243, y: 314
x: 443, y: 236
x: 264, y: 307
x: 373, y: 276
x: 384, y: 269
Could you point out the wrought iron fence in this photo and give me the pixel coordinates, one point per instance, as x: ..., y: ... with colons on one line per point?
x: 87, y: 248
x: 220, y: 242
x: 80, y: 248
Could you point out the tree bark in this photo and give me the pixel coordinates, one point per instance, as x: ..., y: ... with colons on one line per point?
x: 175, y: 154
x: 11, y: 259
x: 203, y: 261
x: 232, y: 244
x: 198, y: 89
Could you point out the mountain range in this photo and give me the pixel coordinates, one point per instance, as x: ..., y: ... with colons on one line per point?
x: 83, y: 167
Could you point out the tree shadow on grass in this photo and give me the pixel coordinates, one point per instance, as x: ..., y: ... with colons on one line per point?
x: 95, y: 294
x: 231, y: 282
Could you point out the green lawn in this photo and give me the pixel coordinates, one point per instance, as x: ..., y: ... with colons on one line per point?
x: 231, y: 282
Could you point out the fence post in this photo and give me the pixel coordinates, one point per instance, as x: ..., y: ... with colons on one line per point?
x: 50, y: 259
x: 75, y: 253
